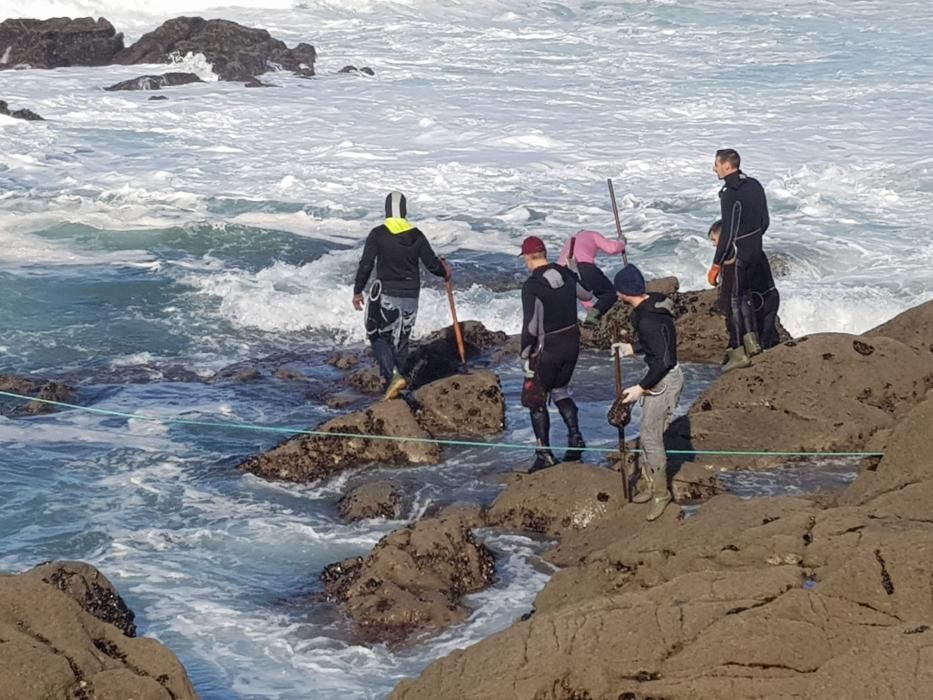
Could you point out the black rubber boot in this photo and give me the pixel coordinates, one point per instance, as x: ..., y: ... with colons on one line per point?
x: 568, y: 411
x: 541, y: 424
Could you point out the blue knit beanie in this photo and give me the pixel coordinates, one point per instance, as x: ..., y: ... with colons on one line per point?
x: 630, y: 281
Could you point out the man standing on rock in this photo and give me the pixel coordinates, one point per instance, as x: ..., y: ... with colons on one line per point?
x: 550, y: 347
x: 395, y: 249
x: 744, y: 222
x: 659, y: 390
x: 579, y: 254
x: 765, y: 296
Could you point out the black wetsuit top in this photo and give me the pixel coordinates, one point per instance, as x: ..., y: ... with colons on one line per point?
x: 549, y: 304
x: 396, y: 257
x: 744, y: 219
x: 656, y: 337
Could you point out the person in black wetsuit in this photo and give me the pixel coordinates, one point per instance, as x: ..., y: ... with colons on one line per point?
x: 396, y: 248
x: 765, y: 296
x: 550, y: 347
x: 744, y: 222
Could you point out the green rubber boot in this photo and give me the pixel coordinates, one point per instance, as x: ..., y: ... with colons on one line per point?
x: 738, y: 359
x: 751, y: 343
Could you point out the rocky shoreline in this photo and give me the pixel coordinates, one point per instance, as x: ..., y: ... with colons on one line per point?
x: 757, y: 598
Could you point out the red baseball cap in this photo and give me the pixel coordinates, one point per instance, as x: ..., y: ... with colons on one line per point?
x: 532, y: 245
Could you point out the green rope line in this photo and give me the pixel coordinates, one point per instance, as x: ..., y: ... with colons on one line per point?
x: 395, y: 438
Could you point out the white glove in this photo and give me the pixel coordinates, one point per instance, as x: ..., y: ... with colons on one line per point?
x: 526, y: 369
x: 624, y: 349
x: 632, y: 394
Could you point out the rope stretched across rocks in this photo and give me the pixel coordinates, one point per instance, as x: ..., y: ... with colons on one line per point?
x: 401, y: 438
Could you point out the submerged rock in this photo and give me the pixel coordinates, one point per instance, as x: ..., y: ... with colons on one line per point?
x: 58, y: 641
x: 25, y: 114
x: 37, y: 388
x: 365, y: 70
x: 155, y: 82
x: 58, y: 43
x: 236, y: 52
x: 413, y: 580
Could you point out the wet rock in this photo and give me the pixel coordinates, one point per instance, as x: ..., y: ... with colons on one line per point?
x: 155, y: 82
x: 236, y: 52
x: 54, y: 647
x: 701, y: 330
x: 413, y: 580
x: 467, y: 405
x: 290, y: 375
x: 343, y: 360
x: 436, y: 356
x: 341, y: 400
x: 365, y: 70
x: 914, y: 328
x: 241, y: 372
x: 694, y: 481
x: 825, y: 392
x: 366, y: 381
x: 553, y: 501
x: 58, y: 43
x: 382, y: 499
x: 37, y: 388
x: 307, y: 458
x: 25, y: 114
x: 90, y: 589
x: 257, y: 83
x: 901, y: 484
x: 155, y: 98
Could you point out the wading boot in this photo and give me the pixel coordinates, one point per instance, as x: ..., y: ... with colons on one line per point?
x: 397, y: 385
x: 751, y: 344
x: 738, y: 359
x: 661, y: 497
x: 568, y: 411
x: 644, y: 491
x: 543, y: 459
x: 541, y: 424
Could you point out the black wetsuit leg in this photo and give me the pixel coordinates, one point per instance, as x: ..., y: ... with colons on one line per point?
x: 594, y: 280
x: 558, y: 359
x: 389, y: 322
x: 766, y: 301
x: 743, y: 310
x: 726, y: 283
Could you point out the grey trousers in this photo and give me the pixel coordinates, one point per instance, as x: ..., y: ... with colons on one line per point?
x: 657, y: 410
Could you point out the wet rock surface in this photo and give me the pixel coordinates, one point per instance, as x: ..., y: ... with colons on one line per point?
x: 311, y: 458
x: 58, y: 42
x: 57, y: 641
x: 467, y: 405
x: 38, y: 388
x: 825, y: 392
x: 155, y: 82
x: 413, y: 580
x: 381, y: 499
x: 235, y: 51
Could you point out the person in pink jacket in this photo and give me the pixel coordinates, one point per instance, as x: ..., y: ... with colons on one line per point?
x: 586, y: 245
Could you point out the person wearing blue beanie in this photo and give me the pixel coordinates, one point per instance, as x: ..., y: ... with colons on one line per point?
x: 659, y: 390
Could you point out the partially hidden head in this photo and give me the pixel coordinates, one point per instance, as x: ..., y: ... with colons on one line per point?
x: 629, y: 283
x: 534, y: 252
x: 714, y: 231
x: 396, y: 206
x: 727, y: 161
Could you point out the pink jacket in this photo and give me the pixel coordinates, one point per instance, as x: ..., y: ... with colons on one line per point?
x: 588, y: 244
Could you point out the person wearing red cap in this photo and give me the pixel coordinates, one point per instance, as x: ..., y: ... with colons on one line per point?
x: 550, y: 347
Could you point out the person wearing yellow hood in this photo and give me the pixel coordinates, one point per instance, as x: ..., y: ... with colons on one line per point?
x: 396, y: 249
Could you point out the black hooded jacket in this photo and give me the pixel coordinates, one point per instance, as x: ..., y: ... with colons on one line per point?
x: 396, y: 257
x: 744, y: 219
x: 655, y: 336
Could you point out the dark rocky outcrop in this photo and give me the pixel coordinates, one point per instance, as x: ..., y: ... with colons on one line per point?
x: 381, y: 499
x: 37, y: 388
x: 236, y: 52
x: 155, y: 82
x: 311, y: 458
x: 701, y: 330
x: 829, y: 391
x: 413, y: 580
x: 467, y: 405
x: 24, y: 114
x: 58, y: 43
x: 364, y: 70
x: 62, y: 636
